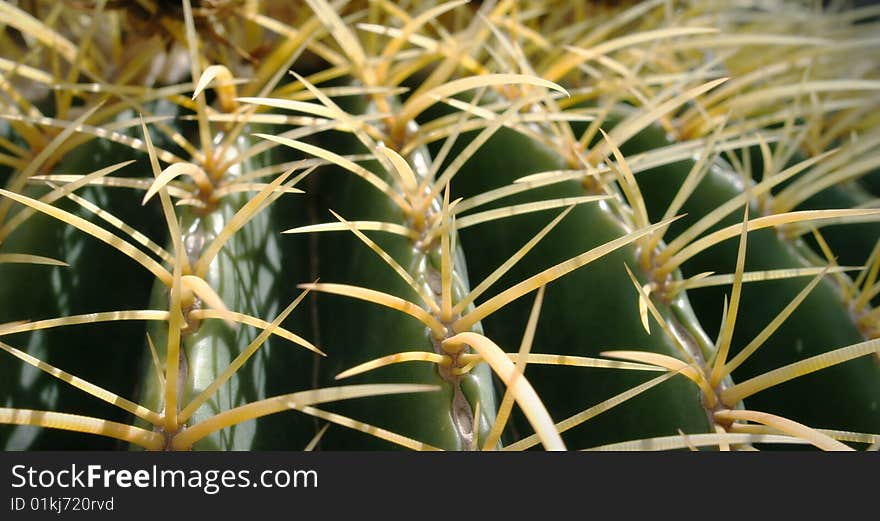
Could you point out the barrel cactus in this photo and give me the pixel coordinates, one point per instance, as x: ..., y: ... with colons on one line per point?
x: 250, y: 224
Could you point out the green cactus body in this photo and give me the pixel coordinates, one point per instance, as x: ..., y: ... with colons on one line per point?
x: 96, y: 279
x: 871, y: 182
x: 590, y: 310
x: 674, y: 85
x: 851, y: 244
x: 23, y: 385
x: 245, y: 275
x: 844, y: 185
x: 808, y: 399
x: 442, y: 419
